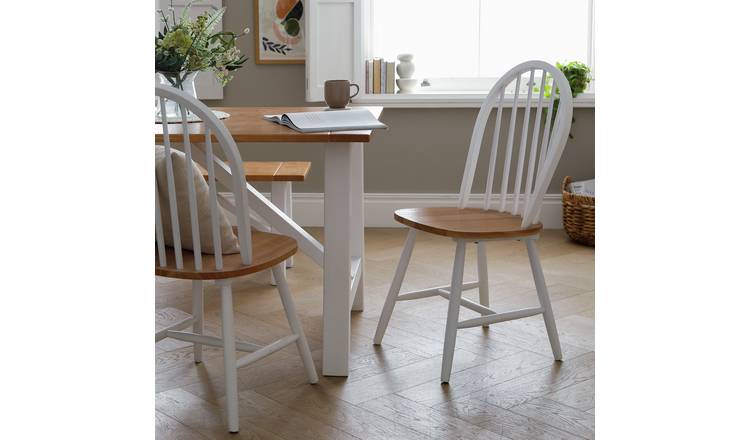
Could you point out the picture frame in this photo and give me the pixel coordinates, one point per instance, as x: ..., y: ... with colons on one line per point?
x: 279, y: 31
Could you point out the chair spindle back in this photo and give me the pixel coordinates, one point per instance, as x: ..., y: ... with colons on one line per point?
x: 533, y: 171
x: 230, y: 174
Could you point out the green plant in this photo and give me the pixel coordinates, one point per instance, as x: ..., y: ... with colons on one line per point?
x: 190, y: 45
x: 578, y: 75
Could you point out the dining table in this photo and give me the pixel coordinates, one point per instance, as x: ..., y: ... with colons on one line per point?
x: 342, y: 256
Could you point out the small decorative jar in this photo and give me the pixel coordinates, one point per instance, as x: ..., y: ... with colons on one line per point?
x: 405, y: 67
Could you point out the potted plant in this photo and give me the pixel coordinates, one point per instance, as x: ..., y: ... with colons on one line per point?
x: 579, y: 77
x: 187, y: 46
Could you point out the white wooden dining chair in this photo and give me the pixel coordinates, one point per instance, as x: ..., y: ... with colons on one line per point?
x: 512, y: 214
x: 258, y: 250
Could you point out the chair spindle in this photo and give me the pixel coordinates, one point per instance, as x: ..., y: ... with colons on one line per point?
x: 192, y: 202
x: 509, y: 146
x: 534, y: 145
x: 160, y: 247
x: 545, y: 139
x: 522, y: 145
x: 493, y: 154
x: 172, y: 194
x: 213, y: 201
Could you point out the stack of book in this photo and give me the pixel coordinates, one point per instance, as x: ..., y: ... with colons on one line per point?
x: 380, y: 76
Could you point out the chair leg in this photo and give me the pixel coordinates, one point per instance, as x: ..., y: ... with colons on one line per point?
x: 198, y: 318
x: 230, y: 359
x: 451, y: 324
x: 294, y: 324
x: 541, y: 291
x: 398, y: 279
x: 484, y: 289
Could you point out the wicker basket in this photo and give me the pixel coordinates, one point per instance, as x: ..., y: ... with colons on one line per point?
x: 578, y: 215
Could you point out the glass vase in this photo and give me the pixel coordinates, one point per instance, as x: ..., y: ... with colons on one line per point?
x: 184, y: 81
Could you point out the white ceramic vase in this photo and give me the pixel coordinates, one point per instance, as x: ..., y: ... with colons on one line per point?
x: 405, y: 67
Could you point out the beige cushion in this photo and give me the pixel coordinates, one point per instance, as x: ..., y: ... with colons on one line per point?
x: 229, y: 242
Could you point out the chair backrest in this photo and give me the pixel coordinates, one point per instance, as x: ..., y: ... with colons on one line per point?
x: 533, y: 172
x: 206, y: 155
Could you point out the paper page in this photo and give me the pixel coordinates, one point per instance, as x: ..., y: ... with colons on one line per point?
x: 335, y: 120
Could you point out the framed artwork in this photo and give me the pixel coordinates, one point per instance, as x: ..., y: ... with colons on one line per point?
x: 279, y: 32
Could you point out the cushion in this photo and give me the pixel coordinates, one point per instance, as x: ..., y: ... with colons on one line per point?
x: 229, y: 242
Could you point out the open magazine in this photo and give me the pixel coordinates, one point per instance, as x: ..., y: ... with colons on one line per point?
x: 331, y: 120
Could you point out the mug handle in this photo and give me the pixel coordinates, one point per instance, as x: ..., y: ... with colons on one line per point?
x: 355, y: 93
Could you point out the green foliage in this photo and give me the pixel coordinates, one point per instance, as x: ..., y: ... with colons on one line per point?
x: 578, y: 75
x: 189, y: 45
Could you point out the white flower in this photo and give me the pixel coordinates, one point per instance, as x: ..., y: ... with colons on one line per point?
x: 246, y: 31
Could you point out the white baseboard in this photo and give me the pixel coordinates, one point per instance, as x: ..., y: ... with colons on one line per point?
x: 379, y: 207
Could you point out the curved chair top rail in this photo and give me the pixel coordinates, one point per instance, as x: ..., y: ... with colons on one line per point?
x: 231, y: 162
x: 537, y: 169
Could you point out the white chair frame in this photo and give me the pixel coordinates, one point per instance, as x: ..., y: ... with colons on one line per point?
x: 537, y: 172
x: 233, y: 163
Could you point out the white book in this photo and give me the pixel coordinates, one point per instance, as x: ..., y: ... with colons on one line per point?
x: 329, y: 120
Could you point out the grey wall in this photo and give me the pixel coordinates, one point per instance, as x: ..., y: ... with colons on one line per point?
x: 423, y: 151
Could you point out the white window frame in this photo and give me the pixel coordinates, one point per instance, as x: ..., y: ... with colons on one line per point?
x: 467, y: 91
x: 349, y: 64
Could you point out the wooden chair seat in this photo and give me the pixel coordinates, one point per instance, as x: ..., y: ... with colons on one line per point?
x: 268, y: 250
x: 469, y: 223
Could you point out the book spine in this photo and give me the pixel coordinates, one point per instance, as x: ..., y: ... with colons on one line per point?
x: 390, y: 80
x: 376, y: 75
x: 367, y: 76
x: 372, y: 76
x: 382, y: 77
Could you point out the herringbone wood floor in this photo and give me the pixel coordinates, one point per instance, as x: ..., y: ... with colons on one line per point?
x: 505, y: 383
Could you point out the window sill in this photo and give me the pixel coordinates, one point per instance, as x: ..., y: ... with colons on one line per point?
x: 451, y: 100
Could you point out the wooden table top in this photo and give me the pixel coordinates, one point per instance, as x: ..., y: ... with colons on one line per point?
x: 246, y: 124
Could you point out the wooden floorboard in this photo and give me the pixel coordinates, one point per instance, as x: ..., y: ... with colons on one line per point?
x: 556, y: 376
x: 476, y: 378
x: 579, y: 396
x: 503, y: 421
x: 558, y: 415
x: 426, y: 420
x: 505, y: 383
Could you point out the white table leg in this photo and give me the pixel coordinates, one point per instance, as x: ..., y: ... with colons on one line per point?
x: 337, y: 259
x: 357, y: 220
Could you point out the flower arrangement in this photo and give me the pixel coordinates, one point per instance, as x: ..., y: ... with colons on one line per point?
x: 191, y: 45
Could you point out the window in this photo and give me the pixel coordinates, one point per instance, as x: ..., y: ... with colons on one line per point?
x: 460, y: 46
x: 472, y: 39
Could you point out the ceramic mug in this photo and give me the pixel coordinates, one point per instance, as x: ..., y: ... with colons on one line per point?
x: 337, y: 93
